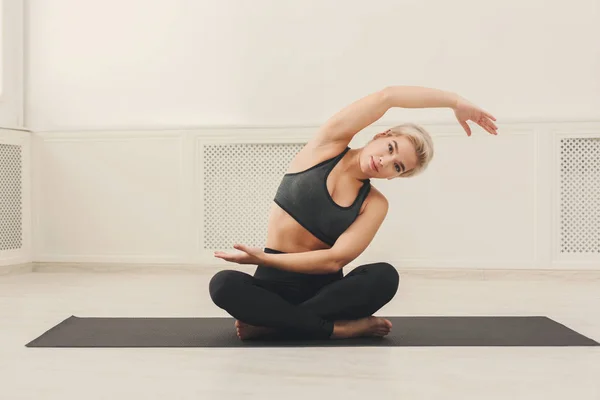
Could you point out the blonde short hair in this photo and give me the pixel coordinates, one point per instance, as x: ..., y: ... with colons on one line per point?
x: 422, y: 142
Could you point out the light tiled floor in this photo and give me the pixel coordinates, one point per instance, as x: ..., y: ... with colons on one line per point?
x: 32, y: 303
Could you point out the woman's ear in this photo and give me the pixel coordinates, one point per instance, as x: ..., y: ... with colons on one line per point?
x: 381, y: 134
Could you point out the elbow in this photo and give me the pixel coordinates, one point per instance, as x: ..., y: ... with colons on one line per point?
x: 386, y: 96
x: 338, y: 259
x: 334, y: 268
x: 336, y: 265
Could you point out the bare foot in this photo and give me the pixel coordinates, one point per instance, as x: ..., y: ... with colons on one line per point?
x: 245, y: 331
x: 370, y: 326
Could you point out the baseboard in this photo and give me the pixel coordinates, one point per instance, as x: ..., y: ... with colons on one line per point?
x: 16, y: 269
x: 137, y: 268
x: 407, y: 272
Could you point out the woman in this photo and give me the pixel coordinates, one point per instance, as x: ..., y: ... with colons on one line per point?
x: 325, y: 214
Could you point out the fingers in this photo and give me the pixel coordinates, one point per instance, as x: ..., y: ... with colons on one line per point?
x: 224, y: 256
x: 241, y: 247
x: 490, y: 127
x: 490, y: 124
x: 487, y: 127
x: 466, y: 127
x: 487, y: 124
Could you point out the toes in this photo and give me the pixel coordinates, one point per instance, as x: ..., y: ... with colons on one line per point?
x: 240, y: 324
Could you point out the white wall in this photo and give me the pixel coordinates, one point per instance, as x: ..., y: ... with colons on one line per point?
x: 140, y: 63
x: 11, y: 64
x: 109, y: 83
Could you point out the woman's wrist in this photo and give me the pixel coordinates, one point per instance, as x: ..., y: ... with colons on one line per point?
x: 455, y: 99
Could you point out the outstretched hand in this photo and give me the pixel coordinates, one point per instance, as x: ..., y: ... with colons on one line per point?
x: 465, y: 111
x: 247, y: 255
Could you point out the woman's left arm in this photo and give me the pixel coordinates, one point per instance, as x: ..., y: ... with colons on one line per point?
x: 309, y: 262
x: 424, y: 97
x: 419, y: 97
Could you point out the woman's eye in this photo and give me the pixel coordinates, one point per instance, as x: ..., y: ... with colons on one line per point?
x: 396, y: 165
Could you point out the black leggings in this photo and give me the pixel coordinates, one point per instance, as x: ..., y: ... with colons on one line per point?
x: 303, y: 305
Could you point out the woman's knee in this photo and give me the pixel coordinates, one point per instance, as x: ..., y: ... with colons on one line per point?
x: 387, y: 279
x: 222, y: 286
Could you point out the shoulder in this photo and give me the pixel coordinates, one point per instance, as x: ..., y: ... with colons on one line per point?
x: 376, y: 202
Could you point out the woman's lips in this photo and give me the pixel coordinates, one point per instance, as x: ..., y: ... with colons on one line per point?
x: 373, y: 164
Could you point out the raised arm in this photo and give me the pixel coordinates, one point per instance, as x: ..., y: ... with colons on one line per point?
x: 346, y: 123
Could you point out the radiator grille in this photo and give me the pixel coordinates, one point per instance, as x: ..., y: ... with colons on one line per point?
x: 11, y: 193
x: 240, y: 181
x: 580, y: 195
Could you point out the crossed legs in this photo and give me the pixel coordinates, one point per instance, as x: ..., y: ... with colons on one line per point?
x: 342, y: 308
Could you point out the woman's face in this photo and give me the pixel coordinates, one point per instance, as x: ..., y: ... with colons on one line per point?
x: 387, y: 157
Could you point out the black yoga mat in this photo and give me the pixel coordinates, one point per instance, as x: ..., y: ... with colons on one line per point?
x: 220, y: 332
